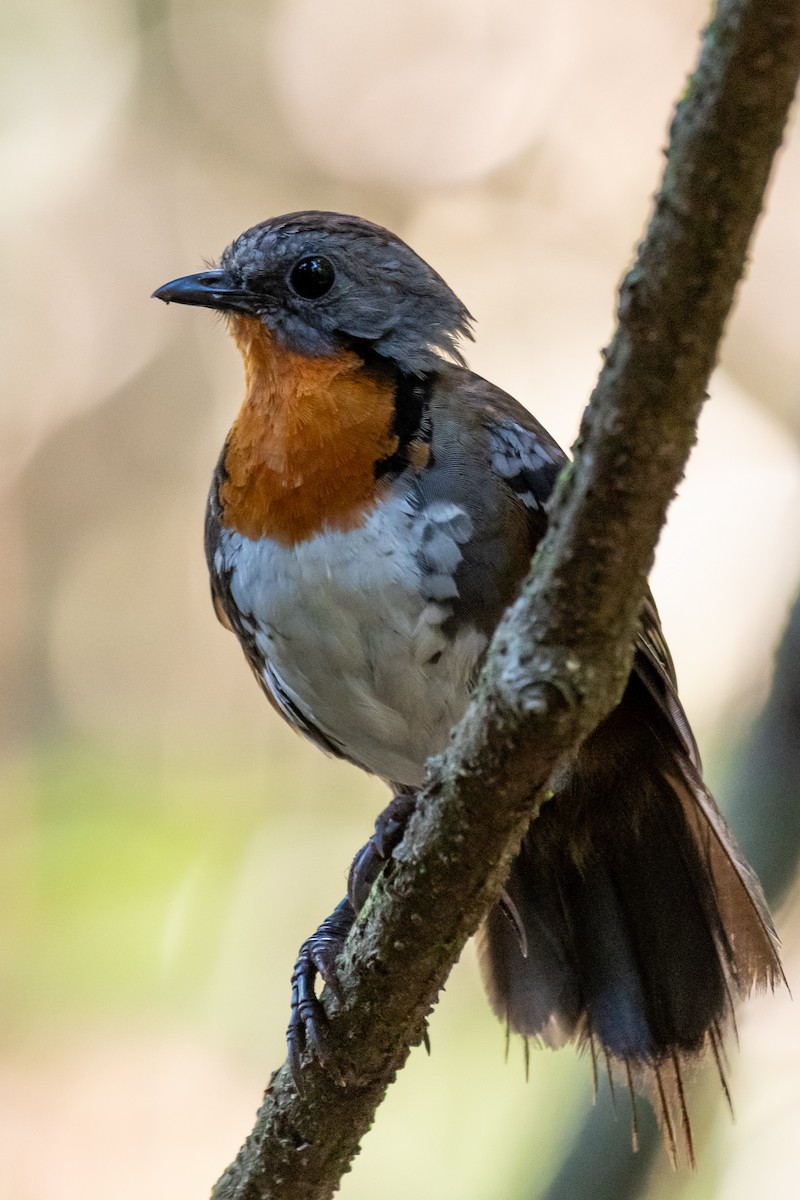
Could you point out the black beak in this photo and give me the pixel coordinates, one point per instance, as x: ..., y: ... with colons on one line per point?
x: 210, y: 289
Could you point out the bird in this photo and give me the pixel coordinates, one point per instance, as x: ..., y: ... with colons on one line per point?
x: 373, y: 512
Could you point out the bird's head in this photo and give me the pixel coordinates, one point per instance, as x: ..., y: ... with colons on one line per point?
x: 322, y: 281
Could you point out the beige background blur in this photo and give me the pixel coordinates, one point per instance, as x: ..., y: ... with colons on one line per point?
x: 166, y: 844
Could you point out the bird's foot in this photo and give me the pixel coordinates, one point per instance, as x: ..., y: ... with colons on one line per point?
x: 372, y: 857
x: 308, y: 1032
x: 308, y: 1024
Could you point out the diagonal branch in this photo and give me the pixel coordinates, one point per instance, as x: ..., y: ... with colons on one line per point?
x: 560, y: 657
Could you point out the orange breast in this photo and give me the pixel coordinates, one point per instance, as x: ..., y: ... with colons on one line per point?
x: 301, y: 453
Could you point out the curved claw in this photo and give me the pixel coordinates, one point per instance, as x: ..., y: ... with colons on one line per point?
x: 372, y: 857
x: 308, y: 1032
x: 308, y: 1025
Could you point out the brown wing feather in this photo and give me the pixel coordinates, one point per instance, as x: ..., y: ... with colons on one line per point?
x: 642, y: 921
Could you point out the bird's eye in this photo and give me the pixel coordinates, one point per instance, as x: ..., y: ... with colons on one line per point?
x: 312, y: 277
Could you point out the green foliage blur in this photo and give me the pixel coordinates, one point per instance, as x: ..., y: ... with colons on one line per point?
x: 166, y: 843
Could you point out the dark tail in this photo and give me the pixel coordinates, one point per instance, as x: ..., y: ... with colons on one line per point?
x: 632, y: 922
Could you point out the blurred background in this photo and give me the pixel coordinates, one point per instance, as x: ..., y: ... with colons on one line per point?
x: 166, y: 843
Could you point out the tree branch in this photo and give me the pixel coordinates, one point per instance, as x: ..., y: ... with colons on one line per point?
x: 560, y: 657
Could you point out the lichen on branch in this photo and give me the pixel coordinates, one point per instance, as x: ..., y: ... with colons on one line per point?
x: 560, y: 657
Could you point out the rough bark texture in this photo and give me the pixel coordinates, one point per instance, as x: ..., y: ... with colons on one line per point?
x: 768, y: 767
x: 560, y: 657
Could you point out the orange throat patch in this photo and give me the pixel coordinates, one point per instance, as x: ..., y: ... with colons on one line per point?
x: 301, y: 454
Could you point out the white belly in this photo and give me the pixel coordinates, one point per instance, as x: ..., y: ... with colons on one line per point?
x: 351, y: 624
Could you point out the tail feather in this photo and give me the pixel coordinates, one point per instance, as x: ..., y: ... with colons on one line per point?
x: 642, y: 921
x: 742, y: 907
